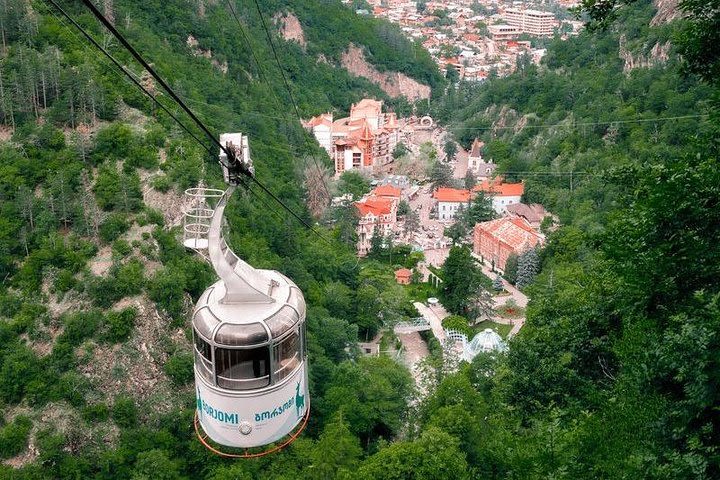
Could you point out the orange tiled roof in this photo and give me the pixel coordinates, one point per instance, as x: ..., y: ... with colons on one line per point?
x: 500, y: 189
x: 375, y: 205
x: 515, y: 233
x: 387, y: 191
x: 402, y: 273
x: 322, y: 119
x: 444, y: 194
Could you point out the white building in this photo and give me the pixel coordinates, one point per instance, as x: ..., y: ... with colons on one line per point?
x: 480, y: 168
x: 533, y: 22
x: 449, y: 201
x: 502, y: 194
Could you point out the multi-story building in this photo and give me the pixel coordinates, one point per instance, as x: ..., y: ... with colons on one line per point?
x: 449, y: 201
x: 533, y: 22
x: 500, y: 33
x: 497, y: 239
x: 378, y: 216
x: 502, y: 194
x: 364, y: 140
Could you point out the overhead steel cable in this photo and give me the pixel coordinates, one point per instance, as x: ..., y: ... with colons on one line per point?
x: 287, y: 87
x: 277, y: 58
x: 190, y: 113
x: 261, y: 71
x: 129, y: 74
x: 584, y: 124
x: 152, y: 72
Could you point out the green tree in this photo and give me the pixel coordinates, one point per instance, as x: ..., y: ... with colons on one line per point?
x: 337, y: 452
x: 461, y: 280
x: 354, y: 183
x: 403, y: 208
x: 528, y: 268
x: 441, y: 175
x: 511, y: 268
x: 456, y: 322
x: 435, y: 454
x: 399, y: 150
x: 498, y: 283
x: 479, y: 210
x: 371, y: 395
x: 456, y: 232
x: 469, y: 180
x: 450, y: 149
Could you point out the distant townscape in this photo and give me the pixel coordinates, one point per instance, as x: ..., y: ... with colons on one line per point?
x: 478, y: 38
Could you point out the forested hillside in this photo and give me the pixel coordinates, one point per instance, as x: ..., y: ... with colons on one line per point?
x: 614, y: 375
x: 95, y: 361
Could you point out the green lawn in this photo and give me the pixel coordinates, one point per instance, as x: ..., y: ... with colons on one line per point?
x: 500, y: 328
x: 420, y: 292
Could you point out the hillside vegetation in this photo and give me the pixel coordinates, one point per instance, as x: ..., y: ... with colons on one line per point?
x: 614, y: 374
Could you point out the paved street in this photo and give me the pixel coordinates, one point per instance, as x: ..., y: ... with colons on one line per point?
x: 434, y: 315
x: 460, y: 165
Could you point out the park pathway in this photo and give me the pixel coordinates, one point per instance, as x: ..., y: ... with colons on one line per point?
x: 435, y: 316
x: 520, y: 299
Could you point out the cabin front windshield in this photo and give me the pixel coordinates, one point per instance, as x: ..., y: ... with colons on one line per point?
x: 242, y: 369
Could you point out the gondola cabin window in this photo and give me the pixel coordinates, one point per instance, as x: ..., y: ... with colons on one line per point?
x: 242, y: 369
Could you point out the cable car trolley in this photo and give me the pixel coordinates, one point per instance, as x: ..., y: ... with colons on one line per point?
x: 251, y: 376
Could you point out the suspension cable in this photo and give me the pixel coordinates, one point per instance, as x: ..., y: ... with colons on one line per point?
x: 190, y: 113
x: 128, y: 74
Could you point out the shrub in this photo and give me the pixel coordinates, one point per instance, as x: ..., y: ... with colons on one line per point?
x: 111, y: 141
x: 179, y: 367
x: 166, y: 289
x: 14, y: 436
x: 98, y: 412
x: 456, y: 322
x: 122, y: 281
x: 121, y: 248
x: 80, y: 325
x: 114, y: 225
x: 64, y: 281
x: 161, y: 183
x: 119, y: 325
x: 124, y: 412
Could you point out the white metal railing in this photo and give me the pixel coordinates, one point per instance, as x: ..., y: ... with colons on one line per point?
x: 419, y: 324
x: 197, y: 214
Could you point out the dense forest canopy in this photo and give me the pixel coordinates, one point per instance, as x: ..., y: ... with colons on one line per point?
x: 614, y: 375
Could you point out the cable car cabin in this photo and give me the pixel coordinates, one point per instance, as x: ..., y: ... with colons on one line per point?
x: 250, y: 366
x: 249, y: 348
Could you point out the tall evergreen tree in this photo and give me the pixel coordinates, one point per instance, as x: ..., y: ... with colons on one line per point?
x: 528, y: 268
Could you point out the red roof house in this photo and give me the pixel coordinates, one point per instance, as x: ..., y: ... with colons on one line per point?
x: 497, y: 239
x: 402, y: 276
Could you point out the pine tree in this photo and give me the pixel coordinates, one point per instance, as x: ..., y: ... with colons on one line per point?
x: 511, y: 268
x: 498, y: 283
x: 528, y: 268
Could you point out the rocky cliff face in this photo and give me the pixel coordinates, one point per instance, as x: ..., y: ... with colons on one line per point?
x: 395, y: 84
x: 667, y: 11
x: 658, y: 55
x: 290, y: 28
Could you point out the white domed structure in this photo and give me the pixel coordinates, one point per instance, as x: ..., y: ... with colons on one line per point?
x: 486, y: 341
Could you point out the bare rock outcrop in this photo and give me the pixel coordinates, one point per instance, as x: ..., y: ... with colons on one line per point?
x: 667, y: 11
x: 290, y: 28
x: 658, y: 55
x: 198, y: 51
x: 395, y: 84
